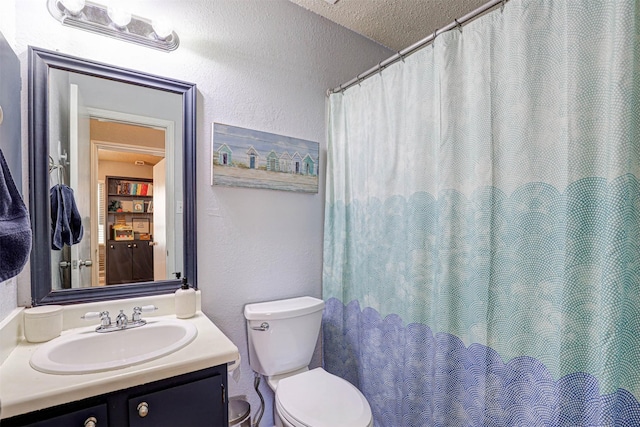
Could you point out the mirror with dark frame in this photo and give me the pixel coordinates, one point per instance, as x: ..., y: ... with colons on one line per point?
x: 112, y: 180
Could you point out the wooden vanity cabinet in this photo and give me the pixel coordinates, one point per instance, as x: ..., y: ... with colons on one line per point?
x: 175, y: 406
x: 80, y: 417
x: 195, y: 399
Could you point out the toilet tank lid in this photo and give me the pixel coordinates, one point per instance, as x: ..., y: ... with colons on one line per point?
x: 283, y: 309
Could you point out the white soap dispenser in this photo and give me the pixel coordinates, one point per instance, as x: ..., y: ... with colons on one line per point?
x: 185, y: 301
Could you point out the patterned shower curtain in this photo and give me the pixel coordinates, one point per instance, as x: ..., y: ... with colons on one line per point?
x: 482, y: 230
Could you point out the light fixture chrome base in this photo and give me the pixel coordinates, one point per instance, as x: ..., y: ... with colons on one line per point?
x: 94, y: 18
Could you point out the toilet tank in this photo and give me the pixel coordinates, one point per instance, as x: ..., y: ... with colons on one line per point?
x: 290, y: 339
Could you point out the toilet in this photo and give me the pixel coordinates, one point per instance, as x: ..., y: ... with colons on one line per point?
x: 282, y: 338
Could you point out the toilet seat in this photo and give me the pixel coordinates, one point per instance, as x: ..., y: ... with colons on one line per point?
x: 317, y: 398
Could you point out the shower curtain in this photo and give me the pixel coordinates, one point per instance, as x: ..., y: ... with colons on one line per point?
x: 482, y: 224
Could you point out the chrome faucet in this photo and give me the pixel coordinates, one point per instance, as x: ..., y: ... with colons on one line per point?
x: 122, y: 321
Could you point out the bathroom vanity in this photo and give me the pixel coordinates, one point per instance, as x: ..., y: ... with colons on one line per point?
x: 194, y: 399
x: 187, y: 387
x: 183, y: 387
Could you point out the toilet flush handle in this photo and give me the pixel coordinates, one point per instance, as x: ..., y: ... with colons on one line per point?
x: 263, y: 327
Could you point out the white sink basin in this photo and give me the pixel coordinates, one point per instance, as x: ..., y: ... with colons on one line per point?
x: 87, y: 352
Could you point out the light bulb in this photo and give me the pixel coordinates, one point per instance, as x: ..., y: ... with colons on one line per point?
x: 163, y: 29
x: 119, y: 16
x: 74, y: 7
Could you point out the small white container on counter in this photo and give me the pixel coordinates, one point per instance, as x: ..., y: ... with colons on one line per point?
x: 42, y: 323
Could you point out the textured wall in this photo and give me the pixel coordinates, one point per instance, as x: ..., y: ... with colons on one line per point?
x: 7, y: 297
x: 258, y: 64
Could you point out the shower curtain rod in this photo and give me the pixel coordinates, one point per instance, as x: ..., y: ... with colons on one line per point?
x: 417, y: 45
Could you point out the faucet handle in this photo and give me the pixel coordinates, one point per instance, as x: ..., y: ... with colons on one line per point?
x: 105, y: 320
x: 148, y: 308
x: 139, y: 310
x: 91, y: 315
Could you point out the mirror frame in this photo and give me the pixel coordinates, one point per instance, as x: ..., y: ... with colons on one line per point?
x: 40, y: 62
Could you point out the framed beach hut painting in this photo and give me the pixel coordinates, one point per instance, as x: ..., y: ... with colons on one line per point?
x: 250, y: 158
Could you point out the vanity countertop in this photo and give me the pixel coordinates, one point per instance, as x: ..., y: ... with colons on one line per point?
x: 23, y: 389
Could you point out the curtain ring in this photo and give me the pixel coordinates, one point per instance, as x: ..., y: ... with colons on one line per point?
x: 380, y: 68
x: 502, y: 5
x: 433, y: 38
x: 459, y: 25
x: 400, y: 56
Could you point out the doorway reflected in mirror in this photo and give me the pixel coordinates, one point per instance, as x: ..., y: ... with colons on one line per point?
x: 128, y: 177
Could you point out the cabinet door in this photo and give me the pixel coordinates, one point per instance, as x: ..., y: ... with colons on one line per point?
x: 142, y: 257
x: 199, y: 403
x: 78, y: 418
x: 119, y: 262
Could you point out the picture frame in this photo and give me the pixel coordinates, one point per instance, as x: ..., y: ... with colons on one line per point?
x: 255, y: 159
x: 141, y: 225
x: 126, y: 206
x: 150, y: 206
x: 138, y: 205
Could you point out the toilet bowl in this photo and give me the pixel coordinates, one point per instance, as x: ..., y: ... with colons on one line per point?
x: 319, y: 399
x: 282, y: 336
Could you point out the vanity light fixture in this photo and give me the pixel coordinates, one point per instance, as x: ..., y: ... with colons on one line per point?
x: 74, y: 7
x: 114, y: 22
x: 119, y: 16
x: 163, y: 29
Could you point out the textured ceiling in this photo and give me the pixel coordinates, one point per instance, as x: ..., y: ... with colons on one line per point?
x: 395, y: 24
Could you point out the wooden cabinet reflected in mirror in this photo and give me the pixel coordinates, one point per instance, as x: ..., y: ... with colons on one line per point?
x: 130, y: 243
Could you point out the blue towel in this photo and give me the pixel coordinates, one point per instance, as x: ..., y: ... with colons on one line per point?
x: 15, y: 227
x: 66, y: 223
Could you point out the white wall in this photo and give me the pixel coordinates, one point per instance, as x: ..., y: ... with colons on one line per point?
x: 259, y: 64
x: 8, y: 297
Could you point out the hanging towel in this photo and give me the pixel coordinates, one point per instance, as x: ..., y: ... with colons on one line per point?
x: 66, y: 223
x: 15, y: 227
